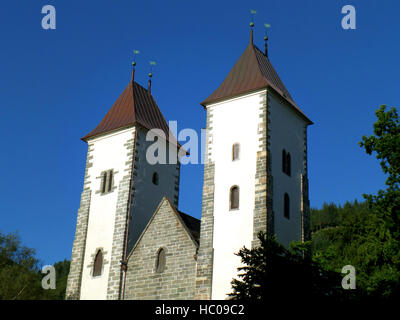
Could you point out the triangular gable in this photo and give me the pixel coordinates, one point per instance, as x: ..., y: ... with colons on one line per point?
x: 166, y: 201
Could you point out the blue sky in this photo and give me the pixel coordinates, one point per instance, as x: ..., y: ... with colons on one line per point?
x: 56, y: 85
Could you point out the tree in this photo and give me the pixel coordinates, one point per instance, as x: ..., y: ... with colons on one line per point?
x: 368, y: 234
x: 273, y: 272
x: 18, y: 270
x: 62, y: 271
x: 20, y: 275
x: 385, y: 142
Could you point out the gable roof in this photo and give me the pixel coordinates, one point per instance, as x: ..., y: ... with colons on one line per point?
x: 135, y: 105
x: 253, y: 71
x: 190, y: 224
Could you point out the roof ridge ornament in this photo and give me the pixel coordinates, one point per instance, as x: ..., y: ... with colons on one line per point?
x: 266, y: 25
x: 152, y: 63
x: 252, y: 13
x: 135, y: 52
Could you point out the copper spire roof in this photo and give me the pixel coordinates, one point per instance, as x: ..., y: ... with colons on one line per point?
x: 135, y: 105
x: 253, y: 71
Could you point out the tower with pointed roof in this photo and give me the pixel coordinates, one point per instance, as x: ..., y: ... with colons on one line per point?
x: 121, y: 191
x: 255, y: 175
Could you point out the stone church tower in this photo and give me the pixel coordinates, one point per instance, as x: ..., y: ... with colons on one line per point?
x: 132, y: 242
x: 121, y: 191
x: 255, y: 175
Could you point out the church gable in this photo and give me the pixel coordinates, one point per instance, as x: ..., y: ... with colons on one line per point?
x: 162, y: 265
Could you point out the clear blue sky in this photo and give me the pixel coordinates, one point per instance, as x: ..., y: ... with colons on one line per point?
x: 55, y: 86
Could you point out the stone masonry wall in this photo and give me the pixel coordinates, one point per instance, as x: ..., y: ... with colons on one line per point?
x: 78, y: 248
x: 260, y: 205
x: 270, y: 190
x: 206, y: 251
x: 177, y: 281
x: 305, y: 205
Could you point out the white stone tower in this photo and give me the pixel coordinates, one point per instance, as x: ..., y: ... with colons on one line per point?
x: 255, y: 176
x: 121, y: 191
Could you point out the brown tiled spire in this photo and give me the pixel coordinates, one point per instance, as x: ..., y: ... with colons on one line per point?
x: 135, y: 105
x: 252, y: 71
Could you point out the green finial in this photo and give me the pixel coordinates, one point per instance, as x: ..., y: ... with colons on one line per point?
x: 252, y: 12
x: 135, y: 52
x: 152, y: 63
x: 266, y: 25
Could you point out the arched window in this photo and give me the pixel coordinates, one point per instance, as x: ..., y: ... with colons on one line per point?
x: 98, y: 264
x: 155, y: 178
x: 234, y: 198
x: 104, y: 182
x: 286, y: 206
x: 235, y: 151
x: 288, y: 164
x: 284, y: 161
x: 160, y: 261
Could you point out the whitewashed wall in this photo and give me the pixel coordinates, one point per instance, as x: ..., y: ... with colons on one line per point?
x: 147, y: 196
x: 109, y: 153
x: 287, y: 132
x: 233, y: 121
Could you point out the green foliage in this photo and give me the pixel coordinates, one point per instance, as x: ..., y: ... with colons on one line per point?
x: 326, y: 217
x: 62, y: 270
x: 20, y: 275
x: 271, y: 271
x: 18, y: 270
x: 367, y: 235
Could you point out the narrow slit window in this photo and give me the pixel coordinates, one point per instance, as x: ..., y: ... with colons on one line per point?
x: 235, y: 151
x: 286, y: 206
x: 110, y: 180
x: 98, y: 264
x: 155, y: 178
x: 104, y: 182
x: 160, y: 261
x: 284, y: 161
x: 234, y: 198
x: 288, y: 169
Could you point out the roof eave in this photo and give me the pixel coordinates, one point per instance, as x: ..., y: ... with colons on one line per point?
x: 297, y: 109
x: 207, y: 101
x: 96, y: 135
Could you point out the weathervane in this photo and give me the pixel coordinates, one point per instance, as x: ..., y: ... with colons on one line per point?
x: 252, y: 12
x: 135, y: 52
x: 152, y: 63
x: 266, y: 25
